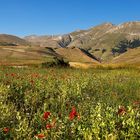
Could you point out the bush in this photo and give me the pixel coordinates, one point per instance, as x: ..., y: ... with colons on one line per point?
x: 56, y: 62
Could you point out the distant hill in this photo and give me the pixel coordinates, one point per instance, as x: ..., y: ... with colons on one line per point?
x: 103, y: 40
x: 105, y: 43
x: 10, y: 40
x: 20, y: 55
x: 50, y: 41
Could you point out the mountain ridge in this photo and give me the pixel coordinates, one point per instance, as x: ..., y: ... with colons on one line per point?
x: 104, y: 42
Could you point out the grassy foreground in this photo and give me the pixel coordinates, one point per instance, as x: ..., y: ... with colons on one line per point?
x: 69, y: 104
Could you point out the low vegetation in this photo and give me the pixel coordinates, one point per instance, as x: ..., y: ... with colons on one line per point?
x: 55, y: 62
x: 58, y: 104
x: 7, y: 44
x: 124, y: 45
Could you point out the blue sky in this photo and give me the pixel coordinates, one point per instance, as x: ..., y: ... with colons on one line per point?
x: 25, y: 17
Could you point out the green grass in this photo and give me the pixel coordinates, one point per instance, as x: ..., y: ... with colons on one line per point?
x: 105, y: 103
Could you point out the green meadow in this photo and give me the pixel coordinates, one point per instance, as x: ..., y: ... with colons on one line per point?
x: 69, y: 104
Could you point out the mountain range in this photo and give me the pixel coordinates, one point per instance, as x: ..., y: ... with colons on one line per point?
x: 105, y: 43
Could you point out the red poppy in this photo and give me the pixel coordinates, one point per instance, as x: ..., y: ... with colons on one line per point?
x: 46, y: 115
x: 48, y: 126
x: 73, y: 113
x: 13, y: 74
x: 121, y: 110
x: 40, y: 136
x: 6, y: 130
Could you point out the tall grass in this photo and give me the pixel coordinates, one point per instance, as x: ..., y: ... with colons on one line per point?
x: 82, y: 104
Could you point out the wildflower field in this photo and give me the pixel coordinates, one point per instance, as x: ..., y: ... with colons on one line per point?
x: 69, y: 104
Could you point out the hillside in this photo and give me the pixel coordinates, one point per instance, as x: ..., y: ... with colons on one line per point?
x: 14, y: 50
x: 76, y: 55
x: 132, y: 56
x: 105, y: 41
x: 20, y: 55
x: 7, y: 40
x: 49, y: 41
